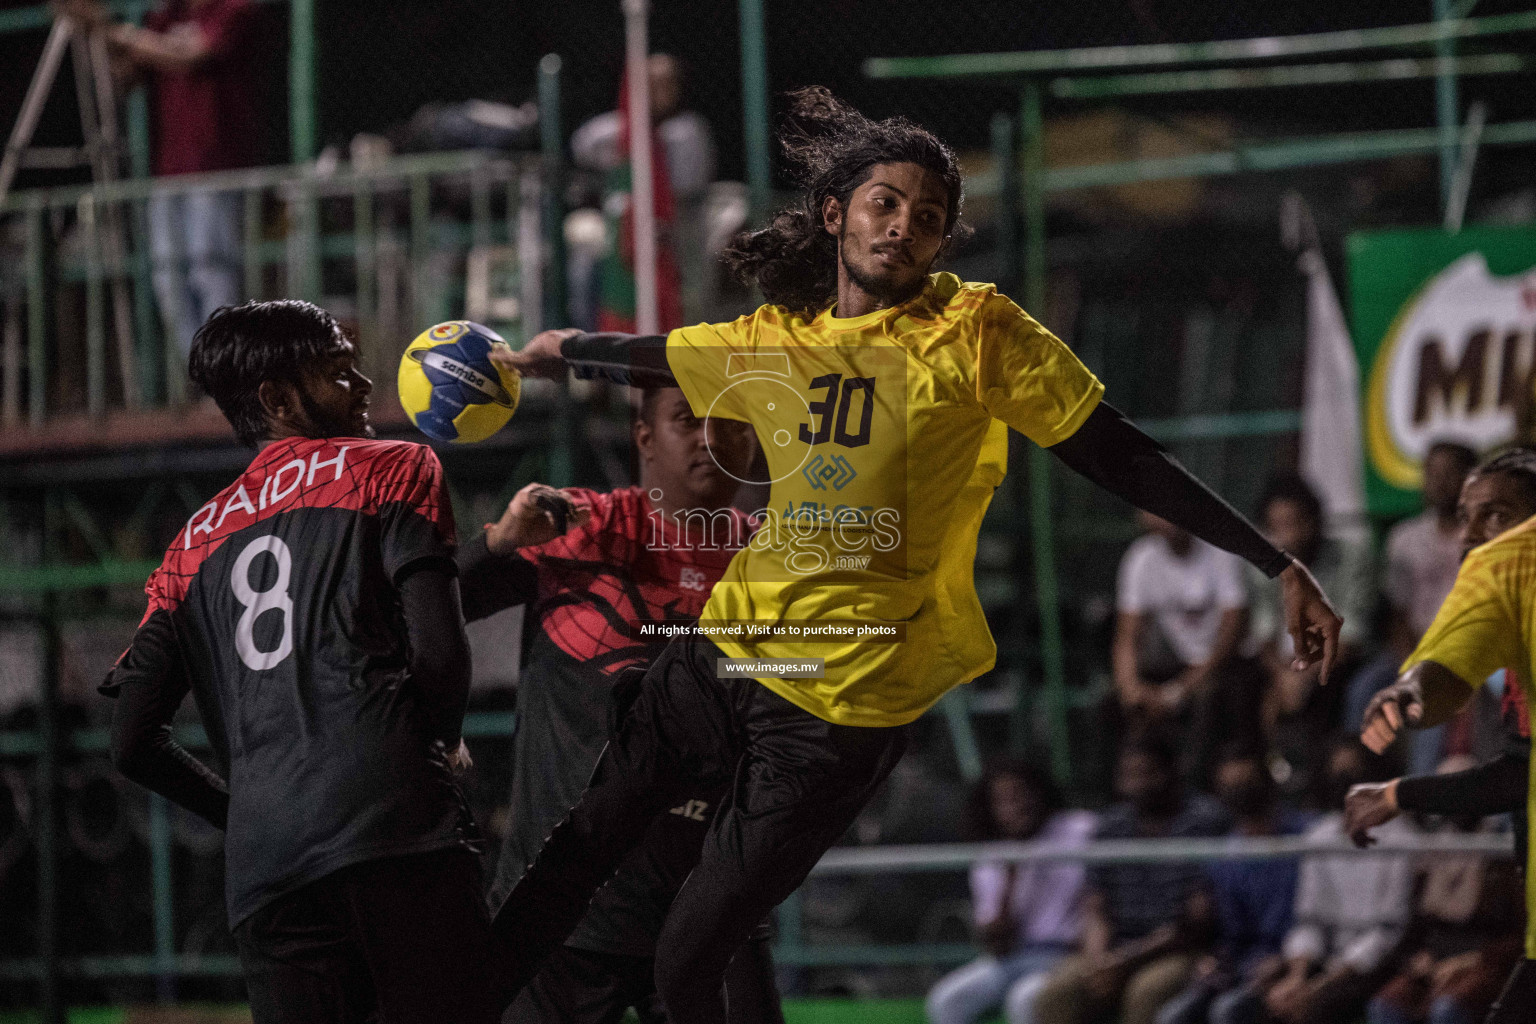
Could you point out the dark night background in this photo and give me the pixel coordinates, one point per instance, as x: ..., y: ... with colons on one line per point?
x: 381, y: 59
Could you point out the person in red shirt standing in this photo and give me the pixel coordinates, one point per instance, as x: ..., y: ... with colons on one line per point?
x: 195, y: 54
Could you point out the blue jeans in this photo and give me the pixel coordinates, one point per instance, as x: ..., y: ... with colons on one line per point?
x: 966, y: 993
x: 194, y: 240
x: 1443, y: 1010
x: 1242, y: 1005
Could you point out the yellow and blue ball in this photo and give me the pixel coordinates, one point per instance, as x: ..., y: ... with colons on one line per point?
x: 450, y: 388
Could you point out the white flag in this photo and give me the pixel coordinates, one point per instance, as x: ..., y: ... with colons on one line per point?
x: 1332, y: 453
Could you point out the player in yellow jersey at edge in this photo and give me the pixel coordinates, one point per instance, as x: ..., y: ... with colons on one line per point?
x: 881, y: 393
x: 1487, y: 622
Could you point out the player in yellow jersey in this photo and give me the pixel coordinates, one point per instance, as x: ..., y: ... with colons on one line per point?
x: 881, y: 394
x: 1487, y: 622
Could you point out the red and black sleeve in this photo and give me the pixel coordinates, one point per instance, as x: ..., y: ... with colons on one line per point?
x: 415, y: 517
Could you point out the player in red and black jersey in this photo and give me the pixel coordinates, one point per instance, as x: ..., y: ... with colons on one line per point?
x: 312, y: 609
x: 632, y: 560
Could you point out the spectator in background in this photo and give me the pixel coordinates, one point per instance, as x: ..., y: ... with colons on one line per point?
x: 1297, y: 710
x: 1028, y: 916
x: 1146, y: 924
x: 1466, y: 935
x: 1422, y: 555
x: 1351, y: 915
x: 196, y: 55
x: 1254, y: 899
x: 1182, y: 609
x: 683, y: 165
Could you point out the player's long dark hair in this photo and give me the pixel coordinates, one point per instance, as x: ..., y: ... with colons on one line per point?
x: 830, y: 147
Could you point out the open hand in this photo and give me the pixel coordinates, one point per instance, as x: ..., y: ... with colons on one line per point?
x: 539, y: 358
x: 1310, y: 619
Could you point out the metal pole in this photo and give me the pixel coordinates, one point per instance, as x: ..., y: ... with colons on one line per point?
x: 1005, y: 158
x: 37, y: 331
x: 642, y: 203
x: 32, y: 104
x: 151, y: 361
x: 95, y: 313
x: 557, y: 314
x: 1042, y: 530
x: 552, y: 145
x: 1445, y: 106
x: 957, y: 715
x: 50, y: 997
x: 301, y: 80
x: 754, y: 103
x: 164, y: 899
x: 1461, y: 183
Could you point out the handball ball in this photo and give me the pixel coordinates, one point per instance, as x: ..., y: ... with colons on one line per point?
x: 450, y: 388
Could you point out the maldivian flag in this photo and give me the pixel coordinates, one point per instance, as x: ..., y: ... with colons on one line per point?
x: 616, y: 271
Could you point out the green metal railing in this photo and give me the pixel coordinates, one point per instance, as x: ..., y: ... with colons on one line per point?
x: 398, y: 227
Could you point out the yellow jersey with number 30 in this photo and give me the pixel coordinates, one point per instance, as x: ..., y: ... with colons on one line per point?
x: 1488, y: 622
x: 885, y: 436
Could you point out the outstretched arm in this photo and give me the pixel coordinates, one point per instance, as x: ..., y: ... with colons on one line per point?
x: 1121, y: 458
x: 639, y: 360
x: 1498, y: 787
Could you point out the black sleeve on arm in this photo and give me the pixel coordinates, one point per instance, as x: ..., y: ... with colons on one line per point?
x: 440, y: 662
x: 150, y: 683
x: 1117, y: 455
x: 1497, y: 787
x: 489, y: 583
x: 639, y: 360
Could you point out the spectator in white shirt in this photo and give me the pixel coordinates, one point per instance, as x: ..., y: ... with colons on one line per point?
x: 1028, y: 916
x: 1182, y: 609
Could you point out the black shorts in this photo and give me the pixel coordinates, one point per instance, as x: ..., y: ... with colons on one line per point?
x: 399, y: 940
x: 579, y: 986
x: 796, y: 784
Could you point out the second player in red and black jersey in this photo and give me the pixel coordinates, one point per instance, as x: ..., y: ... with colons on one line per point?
x: 311, y: 608
x: 595, y: 597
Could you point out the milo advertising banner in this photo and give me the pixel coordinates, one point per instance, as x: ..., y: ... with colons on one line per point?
x: 1445, y: 327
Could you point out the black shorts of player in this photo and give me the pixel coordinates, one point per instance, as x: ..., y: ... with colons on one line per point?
x: 796, y: 785
x: 580, y: 986
x: 399, y: 940
x: 1517, y: 1003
